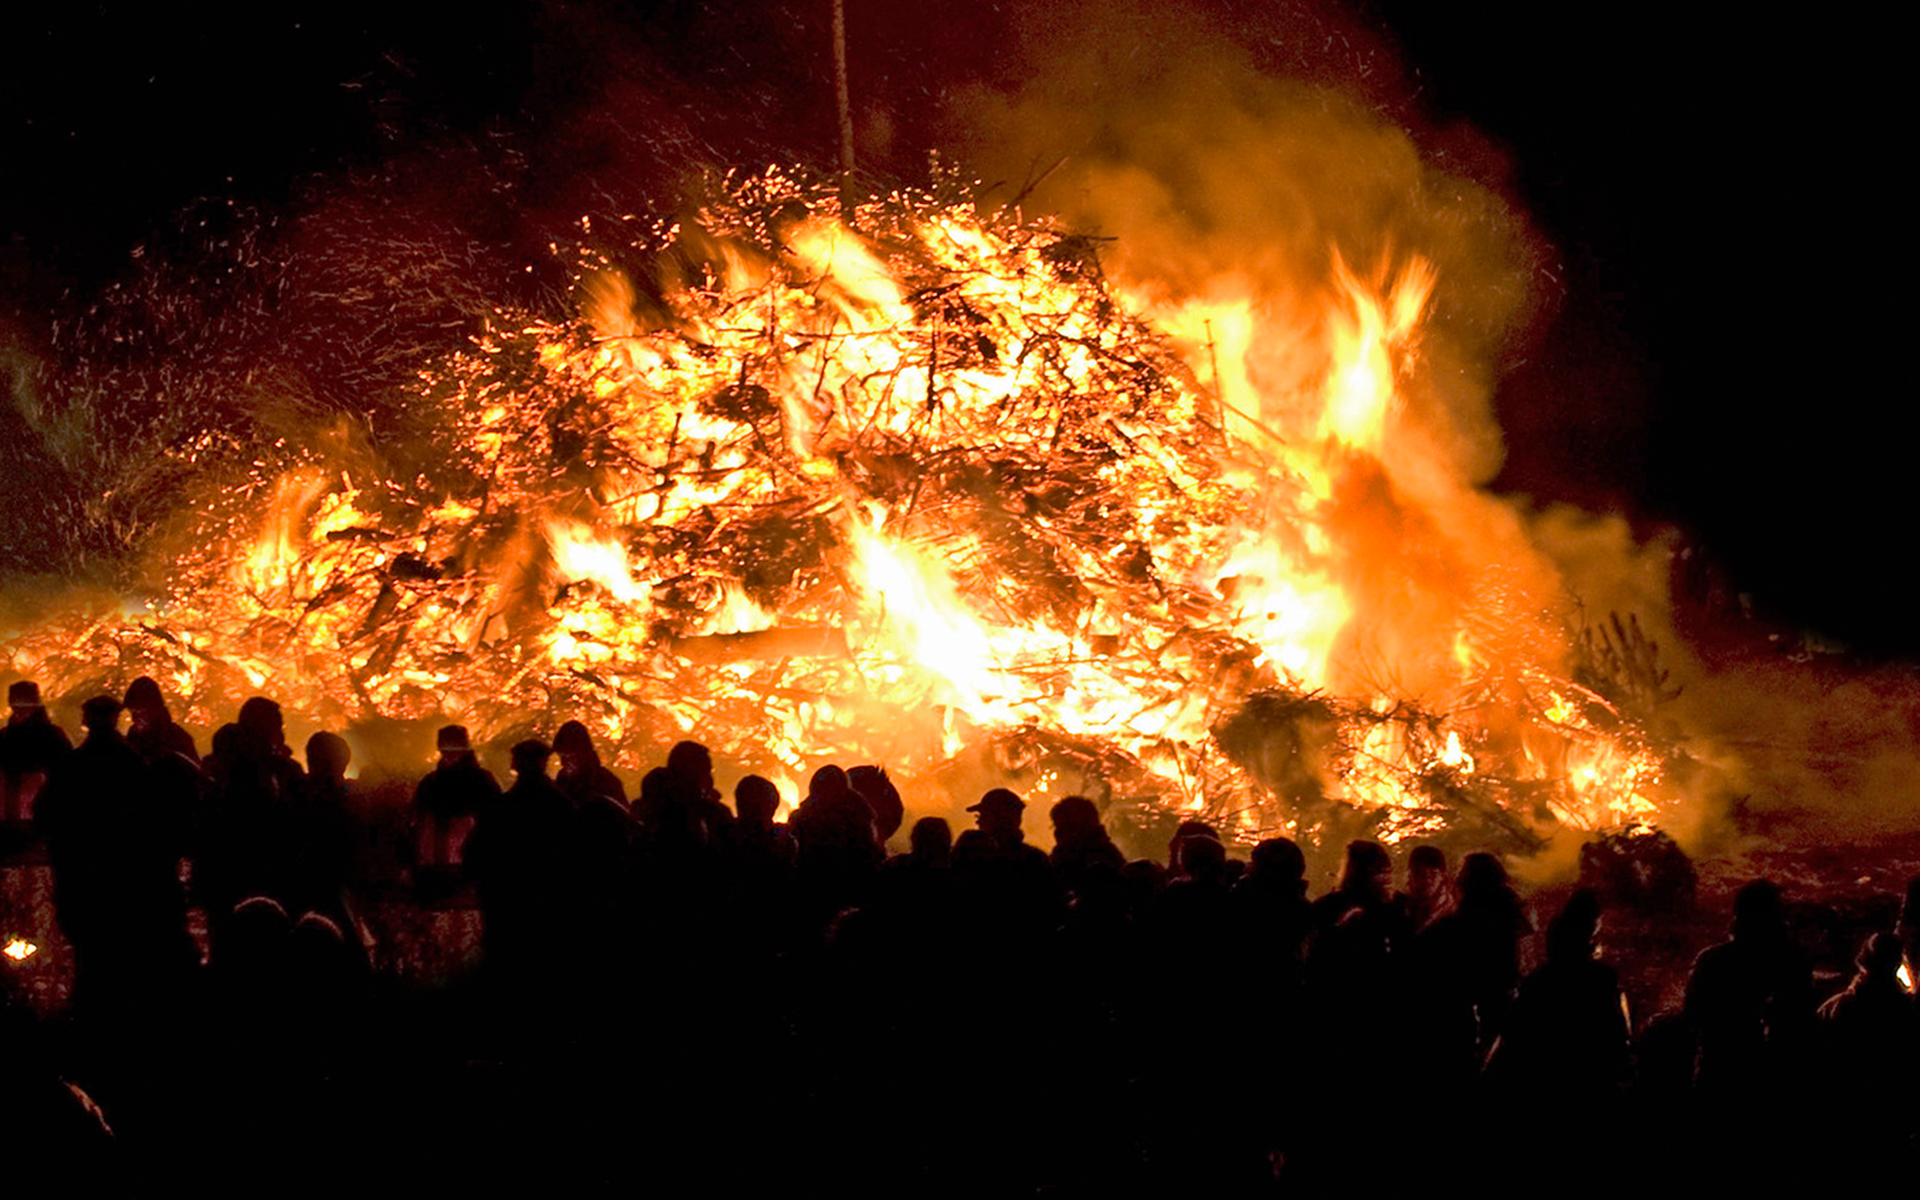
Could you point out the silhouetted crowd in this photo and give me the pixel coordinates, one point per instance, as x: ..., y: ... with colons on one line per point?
x: 678, y: 993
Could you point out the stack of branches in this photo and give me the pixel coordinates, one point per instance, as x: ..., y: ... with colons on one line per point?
x: 756, y: 398
x: 997, y: 412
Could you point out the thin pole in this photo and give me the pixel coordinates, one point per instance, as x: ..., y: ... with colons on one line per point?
x: 844, y: 99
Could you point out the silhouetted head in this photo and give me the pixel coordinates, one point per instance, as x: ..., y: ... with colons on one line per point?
x: 1203, y: 859
x: 1426, y: 860
x: 828, y: 783
x: 1759, y: 911
x: 328, y: 756
x: 453, y: 744
x: 574, y: 745
x: 1278, y: 863
x: 23, y: 694
x: 998, y: 811
x: 931, y: 841
x: 226, y: 740
x: 1481, y: 877
x: 1369, y: 871
x: 694, y: 763
x: 262, y: 721
x: 529, y: 759
x: 101, y: 714
x: 1075, y: 819
x: 755, y: 800
x: 145, y: 703
x: 1185, y: 830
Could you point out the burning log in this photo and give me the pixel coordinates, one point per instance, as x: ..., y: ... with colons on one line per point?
x: 766, y: 645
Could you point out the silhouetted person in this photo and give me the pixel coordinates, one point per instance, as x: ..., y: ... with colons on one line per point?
x: 446, y: 804
x: 116, y: 884
x: 1566, y: 1042
x: 30, y: 746
x: 247, y: 847
x: 262, y: 748
x: 1273, y: 920
x: 1563, y: 1059
x: 838, y: 845
x: 582, y: 776
x: 518, y: 856
x: 1356, y: 969
x: 692, y: 765
x: 917, y: 890
x: 172, y: 757
x: 929, y: 845
x: 1430, y: 892
x: 151, y: 729
x: 754, y: 836
x: 1195, y: 958
x: 1750, y: 1001
x: 757, y: 855
x: 1007, y: 886
x: 1471, y: 956
x: 1185, y: 830
x: 1361, y: 924
x: 326, y: 833
x: 1080, y: 842
x: 1870, y: 1045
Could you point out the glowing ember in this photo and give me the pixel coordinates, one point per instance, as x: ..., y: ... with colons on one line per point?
x: 19, y: 949
x: 905, y: 490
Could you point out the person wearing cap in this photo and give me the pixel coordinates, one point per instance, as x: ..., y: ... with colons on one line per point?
x: 1009, y: 881
x: 31, y: 745
x: 449, y: 800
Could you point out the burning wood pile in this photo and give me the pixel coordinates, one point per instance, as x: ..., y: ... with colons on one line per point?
x: 923, y: 487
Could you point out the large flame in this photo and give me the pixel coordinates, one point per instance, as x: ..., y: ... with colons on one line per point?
x: 905, y: 488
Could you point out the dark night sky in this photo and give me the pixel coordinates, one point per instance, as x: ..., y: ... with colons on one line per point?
x: 1721, y: 195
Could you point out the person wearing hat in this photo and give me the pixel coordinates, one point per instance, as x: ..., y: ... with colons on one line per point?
x: 31, y: 745
x: 1010, y: 881
x: 448, y: 801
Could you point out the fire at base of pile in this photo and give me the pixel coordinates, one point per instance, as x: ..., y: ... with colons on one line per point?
x: 922, y: 488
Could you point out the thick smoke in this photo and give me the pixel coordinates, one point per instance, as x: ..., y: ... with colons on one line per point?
x: 1218, y: 178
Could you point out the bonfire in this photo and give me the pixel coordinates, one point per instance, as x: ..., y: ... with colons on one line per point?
x: 914, y: 482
